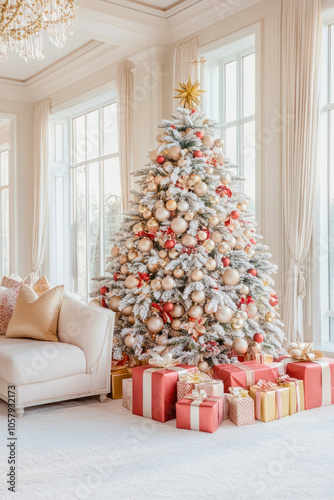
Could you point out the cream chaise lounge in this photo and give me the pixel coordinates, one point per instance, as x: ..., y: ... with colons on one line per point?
x: 76, y: 366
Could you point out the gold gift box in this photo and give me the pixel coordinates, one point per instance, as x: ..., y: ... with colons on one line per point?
x: 293, y: 396
x: 265, y: 359
x: 268, y: 402
x: 116, y: 381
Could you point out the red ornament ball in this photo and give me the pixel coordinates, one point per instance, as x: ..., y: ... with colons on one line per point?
x: 193, y: 111
x: 273, y: 302
x: 253, y: 241
x: 235, y: 214
x: 258, y: 337
x: 226, y: 261
x: 197, y: 154
x: 200, y: 135
x: 169, y: 244
x: 116, y: 276
x: 160, y: 159
x: 253, y: 272
x: 103, y: 290
x: 103, y: 303
x: 168, y: 307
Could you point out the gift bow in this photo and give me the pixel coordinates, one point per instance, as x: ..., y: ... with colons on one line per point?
x: 196, y: 327
x: 143, y: 277
x: 166, y: 316
x: 266, y: 386
x: 304, y: 352
x: 194, y: 377
x: 198, y: 396
x: 245, y: 300
x: 165, y: 361
x: 238, y: 392
x: 224, y: 191
x: 286, y: 378
x: 145, y: 234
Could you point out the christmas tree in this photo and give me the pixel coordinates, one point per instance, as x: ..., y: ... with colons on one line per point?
x: 187, y: 274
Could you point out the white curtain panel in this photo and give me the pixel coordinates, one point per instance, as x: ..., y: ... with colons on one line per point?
x: 182, y: 67
x: 124, y: 85
x: 41, y: 170
x: 301, y: 46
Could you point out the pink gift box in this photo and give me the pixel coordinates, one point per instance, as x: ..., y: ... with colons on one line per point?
x: 154, y: 391
x: 182, y: 389
x: 241, y: 410
x: 205, y: 416
x: 213, y: 388
x: 246, y: 374
x: 127, y: 393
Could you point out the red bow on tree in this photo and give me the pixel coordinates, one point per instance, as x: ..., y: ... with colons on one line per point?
x: 224, y: 191
x: 245, y: 300
x: 189, y: 250
x: 145, y: 234
x: 143, y: 277
x: 273, y: 300
x: 166, y: 316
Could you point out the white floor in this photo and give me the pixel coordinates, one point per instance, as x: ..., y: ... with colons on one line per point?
x: 87, y: 450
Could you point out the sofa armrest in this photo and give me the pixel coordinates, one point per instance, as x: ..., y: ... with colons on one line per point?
x: 89, y: 328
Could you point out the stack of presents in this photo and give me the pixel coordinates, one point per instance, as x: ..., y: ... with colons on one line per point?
x: 263, y: 389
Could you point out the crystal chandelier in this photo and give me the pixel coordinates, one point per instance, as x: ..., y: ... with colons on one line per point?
x: 22, y: 24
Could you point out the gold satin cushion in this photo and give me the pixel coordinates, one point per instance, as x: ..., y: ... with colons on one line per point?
x: 36, y: 317
x: 41, y: 286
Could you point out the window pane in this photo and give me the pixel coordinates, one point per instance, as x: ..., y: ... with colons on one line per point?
x: 331, y: 97
x: 4, y: 174
x: 80, y: 230
x: 112, y: 201
x: 59, y: 143
x: 110, y: 129
x: 231, y: 91
x: 331, y: 213
x: 92, y: 136
x: 249, y: 84
x: 79, y: 141
x: 4, y: 231
x: 249, y: 163
x: 231, y: 144
x: 94, y: 222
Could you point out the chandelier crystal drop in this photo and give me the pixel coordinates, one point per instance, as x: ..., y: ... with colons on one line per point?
x: 23, y: 22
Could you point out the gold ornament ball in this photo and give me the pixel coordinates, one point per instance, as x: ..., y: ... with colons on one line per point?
x: 152, y: 268
x: 202, y: 235
x: 250, y: 252
x: 129, y: 341
x: 189, y: 215
x: 252, y: 310
x: 178, y: 272
x: 173, y: 254
x: 125, y: 269
x: 197, y: 296
x: 208, y: 141
x: 155, y: 324
x: 196, y: 275
x: 158, y: 204
x: 152, y: 224
x: 196, y: 311
x: 188, y: 240
x: 247, y: 233
x: 138, y: 227
x: 209, y: 170
x: 168, y: 283
x: 141, y: 209
x: 209, y: 308
x: 145, y: 191
x: 175, y: 152
x: 242, y: 207
x: 176, y: 324
x: 213, y: 200
x: 206, y: 121
x: 129, y: 243
x: 168, y: 194
x: 270, y: 317
x: 240, y: 346
x: 181, y: 163
x: 224, y: 314
x: 152, y: 187
x: 147, y: 214
x: 177, y: 311
x: 163, y: 264
x: 158, y: 179
x: 171, y: 205
x: 153, y: 155
x: 225, y: 178
x: 155, y: 285
x: 162, y: 214
x: 223, y: 247
x: 255, y: 348
x: 127, y: 311
x: 232, y: 242
x: 203, y: 366
x: 123, y: 259
x: 167, y: 165
x: 231, y: 277
x: 114, y: 252
x: 182, y: 206
x: 220, y: 158
x: 114, y: 303
x: 219, y: 143
x: 131, y: 320
x: 210, y: 265
x: 209, y: 245
x: 195, y: 178
x: 145, y: 244
x: 163, y: 254
x: 237, y: 323
x: 214, y: 220
x: 216, y: 237
x: 131, y: 282
x: 161, y: 340
x: 201, y: 188
x: 132, y: 255
x: 159, y: 137
x: 149, y: 178
x: 179, y: 225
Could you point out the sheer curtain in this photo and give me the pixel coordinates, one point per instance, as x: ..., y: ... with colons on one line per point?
x: 124, y: 85
x: 182, y: 67
x: 41, y: 169
x: 301, y: 45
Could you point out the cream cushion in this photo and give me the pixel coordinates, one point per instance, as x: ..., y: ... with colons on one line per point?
x: 41, y: 286
x: 36, y: 317
x: 27, y: 361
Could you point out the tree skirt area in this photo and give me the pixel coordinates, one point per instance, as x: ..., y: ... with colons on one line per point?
x: 85, y: 449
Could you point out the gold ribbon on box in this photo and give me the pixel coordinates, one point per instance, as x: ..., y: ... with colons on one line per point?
x: 194, y: 377
x: 238, y: 392
x: 304, y: 352
x: 165, y: 361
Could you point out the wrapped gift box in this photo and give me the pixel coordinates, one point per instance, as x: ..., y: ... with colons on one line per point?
x: 246, y: 374
x: 318, y: 378
x: 199, y: 413
x: 154, y: 390
x: 117, y: 376
x: 213, y: 388
x: 271, y: 401
x: 241, y: 409
x: 127, y: 393
x: 188, y: 382
x: 265, y: 359
x: 296, y: 387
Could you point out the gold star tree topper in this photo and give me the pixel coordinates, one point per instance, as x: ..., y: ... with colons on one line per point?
x: 189, y: 94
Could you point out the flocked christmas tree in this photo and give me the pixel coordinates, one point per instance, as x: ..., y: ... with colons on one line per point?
x: 187, y: 274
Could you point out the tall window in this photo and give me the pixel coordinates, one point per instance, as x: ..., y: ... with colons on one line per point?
x: 229, y: 78
x: 94, y: 191
x: 5, y: 165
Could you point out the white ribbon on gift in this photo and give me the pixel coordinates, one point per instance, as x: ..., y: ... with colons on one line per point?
x: 165, y: 361
x: 250, y: 376
x: 198, y: 397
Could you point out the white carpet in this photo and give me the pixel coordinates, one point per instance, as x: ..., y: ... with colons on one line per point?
x: 87, y: 450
